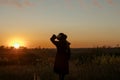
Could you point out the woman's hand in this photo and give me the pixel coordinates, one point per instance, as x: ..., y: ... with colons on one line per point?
x: 53, y: 36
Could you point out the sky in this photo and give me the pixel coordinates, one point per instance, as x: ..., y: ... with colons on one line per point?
x: 87, y: 23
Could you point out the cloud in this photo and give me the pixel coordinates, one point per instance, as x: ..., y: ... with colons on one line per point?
x: 96, y: 3
x: 17, y: 3
x: 24, y: 3
x: 28, y: 3
x: 81, y: 3
x: 110, y: 2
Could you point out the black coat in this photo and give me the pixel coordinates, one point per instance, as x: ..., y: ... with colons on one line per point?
x: 61, y: 65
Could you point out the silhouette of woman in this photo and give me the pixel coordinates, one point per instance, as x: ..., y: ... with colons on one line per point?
x: 61, y: 65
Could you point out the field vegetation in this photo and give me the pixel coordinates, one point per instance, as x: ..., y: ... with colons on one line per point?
x: 85, y: 64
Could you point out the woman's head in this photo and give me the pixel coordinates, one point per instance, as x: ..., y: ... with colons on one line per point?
x: 62, y: 36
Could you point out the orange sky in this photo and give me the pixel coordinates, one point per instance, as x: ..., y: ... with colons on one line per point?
x: 88, y: 23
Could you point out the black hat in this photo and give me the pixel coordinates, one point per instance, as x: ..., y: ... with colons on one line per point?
x: 62, y: 36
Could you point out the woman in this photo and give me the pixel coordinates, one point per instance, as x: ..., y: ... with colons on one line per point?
x: 61, y: 65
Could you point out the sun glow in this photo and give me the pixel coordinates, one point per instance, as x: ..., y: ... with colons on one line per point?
x: 17, y: 43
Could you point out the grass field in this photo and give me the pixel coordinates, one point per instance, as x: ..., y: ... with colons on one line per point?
x: 85, y: 64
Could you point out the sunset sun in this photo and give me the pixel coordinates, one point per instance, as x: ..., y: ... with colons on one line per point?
x: 17, y: 43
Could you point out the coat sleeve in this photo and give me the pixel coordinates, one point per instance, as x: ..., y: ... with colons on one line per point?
x: 53, y: 40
